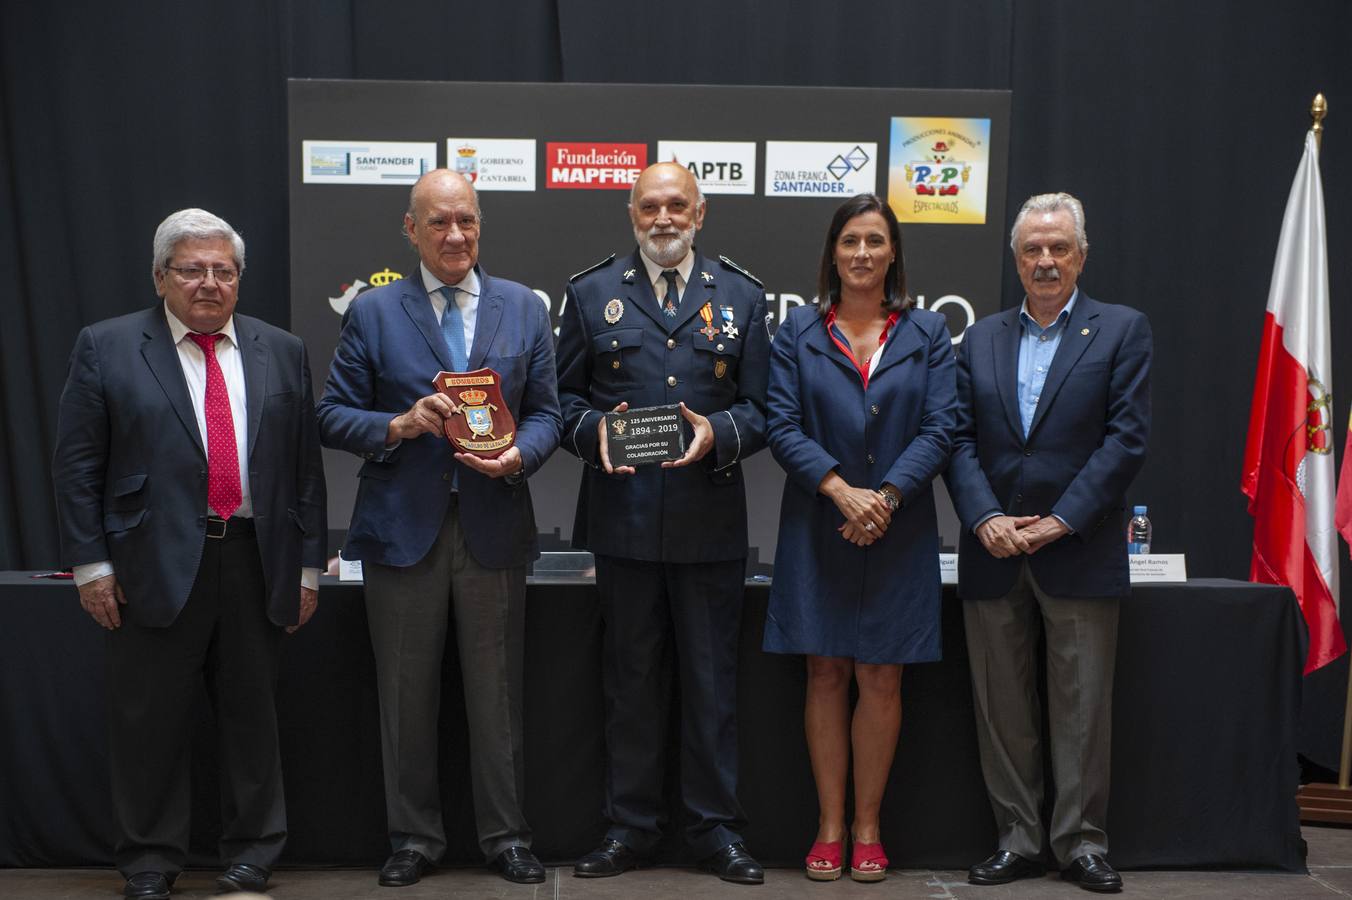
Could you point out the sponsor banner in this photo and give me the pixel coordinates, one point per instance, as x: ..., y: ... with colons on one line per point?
x: 939, y: 170
x: 722, y: 167
x: 366, y: 162
x: 820, y: 168
x: 593, y: 166
x: 493, y: 164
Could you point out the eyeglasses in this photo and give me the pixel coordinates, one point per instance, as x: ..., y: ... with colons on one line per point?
x: 189, y: 274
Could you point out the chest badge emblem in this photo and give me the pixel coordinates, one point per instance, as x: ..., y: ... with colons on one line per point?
x: 614, y: 310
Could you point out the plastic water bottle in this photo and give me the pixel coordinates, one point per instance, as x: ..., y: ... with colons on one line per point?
x: 1138, y: 531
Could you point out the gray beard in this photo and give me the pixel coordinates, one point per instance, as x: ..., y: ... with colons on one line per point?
x: 670, y: 254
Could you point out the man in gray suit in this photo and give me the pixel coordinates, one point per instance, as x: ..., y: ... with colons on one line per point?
x: 190, y: 491
x: 1053, y: 421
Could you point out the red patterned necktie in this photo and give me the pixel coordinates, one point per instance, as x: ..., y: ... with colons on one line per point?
x: 223, y: 490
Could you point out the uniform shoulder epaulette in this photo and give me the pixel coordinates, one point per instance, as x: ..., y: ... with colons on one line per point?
x: 592, y: 268
x: 736, y: 268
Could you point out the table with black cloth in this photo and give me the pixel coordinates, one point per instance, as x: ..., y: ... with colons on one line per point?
x: 1204, y: 759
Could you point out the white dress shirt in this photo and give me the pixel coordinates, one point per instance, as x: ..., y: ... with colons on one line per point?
x: 193, y: 360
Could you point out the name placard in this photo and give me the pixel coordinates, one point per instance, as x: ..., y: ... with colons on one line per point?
x: 1151, y: 567
x: 948, y: 568
x: 349, y: 570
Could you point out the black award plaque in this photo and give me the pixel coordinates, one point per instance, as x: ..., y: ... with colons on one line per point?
x: 641, y: 436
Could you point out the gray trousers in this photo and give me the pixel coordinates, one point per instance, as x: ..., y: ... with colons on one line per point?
x: 408, y: 609
x: 1081, y: 653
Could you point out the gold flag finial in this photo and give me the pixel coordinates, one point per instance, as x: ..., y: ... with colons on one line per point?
x: 1318, y: 110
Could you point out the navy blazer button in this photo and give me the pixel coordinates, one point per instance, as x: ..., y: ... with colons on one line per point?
x: 614, y: 343
x: 671, y: 343
x: 1019, y: 498
x: 873, y: 409
x: 671, y: 381
x: 445, y: 476
x: 870, y: 458
x: 1028, y: 453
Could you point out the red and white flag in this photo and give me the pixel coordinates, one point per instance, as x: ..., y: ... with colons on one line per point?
x: 1288, y: 459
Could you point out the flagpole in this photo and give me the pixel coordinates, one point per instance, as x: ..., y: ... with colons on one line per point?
x: 1325, y: 802
x: 1318, y: 110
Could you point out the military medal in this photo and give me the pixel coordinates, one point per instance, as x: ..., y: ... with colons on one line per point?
x: 614, y: 309
x: 706, y: 312
x: 481, y: 424
x: 729, y: 328
x: 669, y: 308
x: 706, y: 276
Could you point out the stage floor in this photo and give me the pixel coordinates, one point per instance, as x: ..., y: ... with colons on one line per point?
x: 1330, y: 875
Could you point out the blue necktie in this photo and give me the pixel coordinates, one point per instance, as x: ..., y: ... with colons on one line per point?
x: 453, y: 330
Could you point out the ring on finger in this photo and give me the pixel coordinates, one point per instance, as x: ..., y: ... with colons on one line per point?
x: 868, y: 526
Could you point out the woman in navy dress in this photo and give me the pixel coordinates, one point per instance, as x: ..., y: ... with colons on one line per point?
x: 861, y: 412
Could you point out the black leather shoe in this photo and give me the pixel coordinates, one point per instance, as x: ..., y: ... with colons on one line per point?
x: 147, y: 886
x: 405, y: 867
x: 734, y: 864
x: 1093, y: 873
x: 520, y: 865
x: 1002, y: 868
x: 243, y: 878
x: 611, y: 858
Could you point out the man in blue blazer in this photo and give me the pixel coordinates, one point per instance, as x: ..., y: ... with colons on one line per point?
x: 1053, y: 420
x: 439, y: 532
x: 665, y: 325
x: 190, y: 493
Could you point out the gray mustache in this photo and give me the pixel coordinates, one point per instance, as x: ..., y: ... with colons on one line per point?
x: 1052, y: 274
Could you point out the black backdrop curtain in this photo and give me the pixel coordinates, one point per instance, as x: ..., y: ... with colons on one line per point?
x: 1178, y: 124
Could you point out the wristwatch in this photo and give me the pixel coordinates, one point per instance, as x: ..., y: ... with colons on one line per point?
x: 890, y: 495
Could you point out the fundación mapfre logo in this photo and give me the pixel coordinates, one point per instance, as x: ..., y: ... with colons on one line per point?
x: 366, y: 162
x: 820, y: 168
x: 939, y: 169
x: 349, y: 292
x: 722, y: 167
x: 493, y: 164
x: 591, y: 166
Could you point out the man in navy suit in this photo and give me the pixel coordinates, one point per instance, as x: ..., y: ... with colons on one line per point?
x: 441, y: 533
x: 1053, y: 421
x: 191, y: 493
x: 666, y: 325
